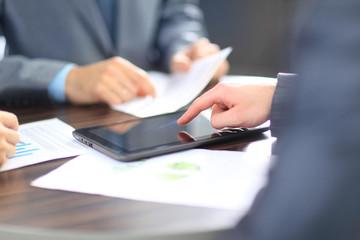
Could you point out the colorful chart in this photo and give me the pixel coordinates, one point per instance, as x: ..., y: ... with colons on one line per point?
x: 24, y: 149
x: 178, y: 170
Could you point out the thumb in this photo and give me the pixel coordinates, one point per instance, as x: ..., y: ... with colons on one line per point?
x: 180, y: 62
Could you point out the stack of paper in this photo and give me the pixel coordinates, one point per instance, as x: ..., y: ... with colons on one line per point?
x: 203, y: 178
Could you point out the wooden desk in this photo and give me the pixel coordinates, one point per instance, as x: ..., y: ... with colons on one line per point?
x: 23, y: 205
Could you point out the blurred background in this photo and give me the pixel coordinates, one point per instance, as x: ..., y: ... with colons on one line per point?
x: 258, y: 31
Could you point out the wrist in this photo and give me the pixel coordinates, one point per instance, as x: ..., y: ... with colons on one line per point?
x: 56, y: 87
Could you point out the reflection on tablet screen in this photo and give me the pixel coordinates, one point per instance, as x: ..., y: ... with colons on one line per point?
x: 141, y: 134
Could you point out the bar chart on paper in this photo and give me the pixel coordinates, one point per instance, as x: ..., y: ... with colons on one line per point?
x: 24, y: 149
x: 43, y: 141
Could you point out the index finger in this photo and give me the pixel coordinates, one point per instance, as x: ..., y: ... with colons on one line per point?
x: 202, y: 103
x: 140, y: 77
x: 9, y: 120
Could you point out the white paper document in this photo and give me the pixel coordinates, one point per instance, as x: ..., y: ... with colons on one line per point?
x: 203, y: 178
x: 42, y: 141
x: 175, y: 90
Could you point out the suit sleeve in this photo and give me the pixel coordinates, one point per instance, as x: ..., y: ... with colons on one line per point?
x: 181, y: 23
x: 313, y: 189
x: 24, y: 82
x: 281, y: 102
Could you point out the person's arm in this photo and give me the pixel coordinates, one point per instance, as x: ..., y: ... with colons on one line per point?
x: 281, y: 102
x: 238, y: 105
x: 112, y: 81
x: 56, y: 87
x: 181, y: 24
x: 8, y: 135
x: 313, y: 190
x: 182, y: 37
x: 234, y: 105
x: 27, y: 81
x: 24, y: 81
x: 183, y: 60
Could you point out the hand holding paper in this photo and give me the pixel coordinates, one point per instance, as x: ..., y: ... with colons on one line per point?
x: 183, y: 60
x: 43, y: 141
x: 176, y: 90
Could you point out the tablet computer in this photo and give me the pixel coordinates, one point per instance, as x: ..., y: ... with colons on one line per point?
x: 136, y: 139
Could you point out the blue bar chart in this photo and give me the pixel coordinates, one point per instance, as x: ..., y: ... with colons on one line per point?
x: 24, y: 149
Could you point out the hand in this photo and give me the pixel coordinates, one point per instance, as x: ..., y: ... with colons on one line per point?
x: 234, y: 105
x: 8, y: 135
x: 182, y: 61
x: 112, y: 81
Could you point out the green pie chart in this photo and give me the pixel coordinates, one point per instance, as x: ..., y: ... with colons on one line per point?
x: 178, y: 170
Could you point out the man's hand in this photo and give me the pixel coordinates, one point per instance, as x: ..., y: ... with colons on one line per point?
x: 8, y: 135
x: 182, y: 61
x: 234, y: 105
x: 112, y: 81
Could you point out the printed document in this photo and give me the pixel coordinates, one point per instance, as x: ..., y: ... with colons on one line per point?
x: 175, y: 90
x: 43, y: 141
x: 204, y: 178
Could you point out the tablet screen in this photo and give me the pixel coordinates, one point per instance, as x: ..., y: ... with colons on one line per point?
x: 142, y: 134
